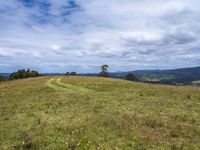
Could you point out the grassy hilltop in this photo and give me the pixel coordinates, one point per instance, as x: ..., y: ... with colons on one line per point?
x: 58, y: 113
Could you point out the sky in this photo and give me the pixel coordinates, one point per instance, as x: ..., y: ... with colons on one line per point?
x: 81, y: 35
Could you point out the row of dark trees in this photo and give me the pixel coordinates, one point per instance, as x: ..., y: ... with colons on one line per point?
x: 71, y: 74
x: 21, y: 74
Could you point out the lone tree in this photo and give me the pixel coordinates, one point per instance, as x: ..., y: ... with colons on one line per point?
x: 131, y: 77
x: 104, y: 71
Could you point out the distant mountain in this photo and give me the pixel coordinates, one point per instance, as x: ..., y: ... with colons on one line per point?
x: 175, y: 76
x: 5, y: 74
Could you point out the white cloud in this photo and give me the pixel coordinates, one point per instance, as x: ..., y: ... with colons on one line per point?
x: 58, y: 35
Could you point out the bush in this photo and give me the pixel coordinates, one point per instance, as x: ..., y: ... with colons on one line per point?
x: 104, y: 74
x: 71, y: 74
x: 2, y: 79
x: 67, y: 73
x: 20, y: 74
x: 131, y: 77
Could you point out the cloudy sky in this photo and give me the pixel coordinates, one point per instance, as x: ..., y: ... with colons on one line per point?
x: 81, y: 35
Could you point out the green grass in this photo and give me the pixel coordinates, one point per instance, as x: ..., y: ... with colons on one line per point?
x: 58, y: 113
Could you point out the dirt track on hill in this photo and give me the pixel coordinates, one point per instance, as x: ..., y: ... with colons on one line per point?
x: 57, y: 84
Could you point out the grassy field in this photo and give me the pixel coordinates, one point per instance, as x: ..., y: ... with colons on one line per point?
x: 58, y: 113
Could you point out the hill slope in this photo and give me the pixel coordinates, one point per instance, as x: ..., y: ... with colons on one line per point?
x: 97, y: 113
x: 184, y: 75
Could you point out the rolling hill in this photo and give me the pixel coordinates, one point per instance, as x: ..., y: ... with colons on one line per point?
x: 58, y: 112
x: 174, y: 76
x: 182, y: 76
x: 5, y: 74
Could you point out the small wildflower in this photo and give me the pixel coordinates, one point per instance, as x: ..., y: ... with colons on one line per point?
x: 23, y: 142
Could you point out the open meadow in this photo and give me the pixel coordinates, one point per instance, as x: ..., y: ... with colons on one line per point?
x: 58, y: 113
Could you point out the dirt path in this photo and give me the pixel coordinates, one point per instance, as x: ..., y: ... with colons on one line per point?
x: 57, y: 84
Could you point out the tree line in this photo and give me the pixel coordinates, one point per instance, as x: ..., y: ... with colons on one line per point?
x: 104, y: 73
x: 22, y: 73
x: 71, y: 74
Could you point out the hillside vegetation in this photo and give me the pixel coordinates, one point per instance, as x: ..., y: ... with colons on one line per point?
x: 175, y: 76
x: 58, y: 113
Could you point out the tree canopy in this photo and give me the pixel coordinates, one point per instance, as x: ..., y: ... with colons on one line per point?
x: 20, y: 74
x: 131, y: 77
x: 104, y: 71
x: 71, y: 73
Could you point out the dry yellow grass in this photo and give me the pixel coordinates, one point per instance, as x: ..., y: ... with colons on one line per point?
x: 97, y: 113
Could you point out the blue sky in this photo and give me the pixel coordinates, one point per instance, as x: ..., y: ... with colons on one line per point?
x: 81, y: 35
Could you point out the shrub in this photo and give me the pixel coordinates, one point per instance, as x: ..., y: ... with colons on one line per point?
x: 2, y: 79
x: 20, y: 74
x: 131, y: 77
x: 67, y: 73
x: 71, y: 74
